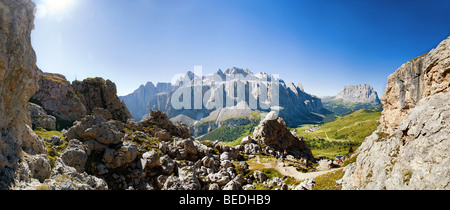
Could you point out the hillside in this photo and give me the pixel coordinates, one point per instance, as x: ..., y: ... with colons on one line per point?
x: 338, y: 136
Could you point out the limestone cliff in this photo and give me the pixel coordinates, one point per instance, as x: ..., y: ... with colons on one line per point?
x: 18, y: 82
x: 417, y: 79
x: 410, y: 148
x: 358, y: 94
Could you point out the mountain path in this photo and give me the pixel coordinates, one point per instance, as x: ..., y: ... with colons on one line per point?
x: 292, y: 171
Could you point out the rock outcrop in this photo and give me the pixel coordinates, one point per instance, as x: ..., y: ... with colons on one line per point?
x: 39, y: 118
x: 414, y: 157
x: 273, y: 133
x: 96, y: 92
x: 419, y: 78
x: 18, y: 82
x: 58, y: 98
x: 71, y: 102
x: 410, y: 148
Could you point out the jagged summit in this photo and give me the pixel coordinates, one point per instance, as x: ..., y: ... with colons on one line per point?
x: 236, y: 70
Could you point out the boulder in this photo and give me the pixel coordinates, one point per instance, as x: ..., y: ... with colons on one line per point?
x: 221, y: 178
x: 232, y: 185
x: 272, y: 132
x: 259, y: 176
x: 306, y: 185
x: 149, y: 160
x: 167, y: 164
x: 75, y: 155
x: 95, y: 127
x: 126, y: 154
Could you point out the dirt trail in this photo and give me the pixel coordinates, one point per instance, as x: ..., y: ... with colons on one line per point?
x: 291, y: 171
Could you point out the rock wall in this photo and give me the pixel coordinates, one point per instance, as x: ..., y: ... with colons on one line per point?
x: 18, y: 82
x: 419, y: 78
x: 410, y: 148
x: 414, y: 157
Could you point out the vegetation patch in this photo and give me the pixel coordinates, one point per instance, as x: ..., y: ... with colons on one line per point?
x: 342, y: 135
x: 328, y: 181
x: 54, y: 151
x: 231, y: 135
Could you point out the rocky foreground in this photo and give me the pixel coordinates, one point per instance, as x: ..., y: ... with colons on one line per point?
x: 102, y: 153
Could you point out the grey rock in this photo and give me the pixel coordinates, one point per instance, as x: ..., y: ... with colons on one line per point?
x: 419, y: 78
x: 167, y: 164
x: 232, y: 185
x: 118, y: 158
x: 95, y: 127
x: 149, y: 160
x: 413, y: 157
x: 75, y: 155
x: 19, y: 81
x: 259, y: 176
x: 272, y: 132
x: 214, y: 186
x: 39, y: 117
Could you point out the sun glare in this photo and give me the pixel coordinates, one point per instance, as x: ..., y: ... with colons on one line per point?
x: 58, y: 5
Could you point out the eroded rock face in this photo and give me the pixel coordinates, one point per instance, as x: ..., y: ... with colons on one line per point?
x: 272, y: 131
x: 410, y: 148
x: 18, y: 82
x: 414, y: 157
x: 72, y: 102
x: 422, y: 77
x: 96, y: 92
x: 58, y: 98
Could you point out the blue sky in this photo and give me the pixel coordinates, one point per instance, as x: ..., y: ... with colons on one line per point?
x: 324, y: 45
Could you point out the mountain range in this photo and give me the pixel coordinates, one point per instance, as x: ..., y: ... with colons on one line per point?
x: 295, y: 105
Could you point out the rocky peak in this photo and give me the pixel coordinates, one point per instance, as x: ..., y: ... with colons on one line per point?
x: 236, y: 70
x: 358, y: 94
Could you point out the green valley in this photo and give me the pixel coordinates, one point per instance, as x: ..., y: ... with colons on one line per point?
x: 341, y: 135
